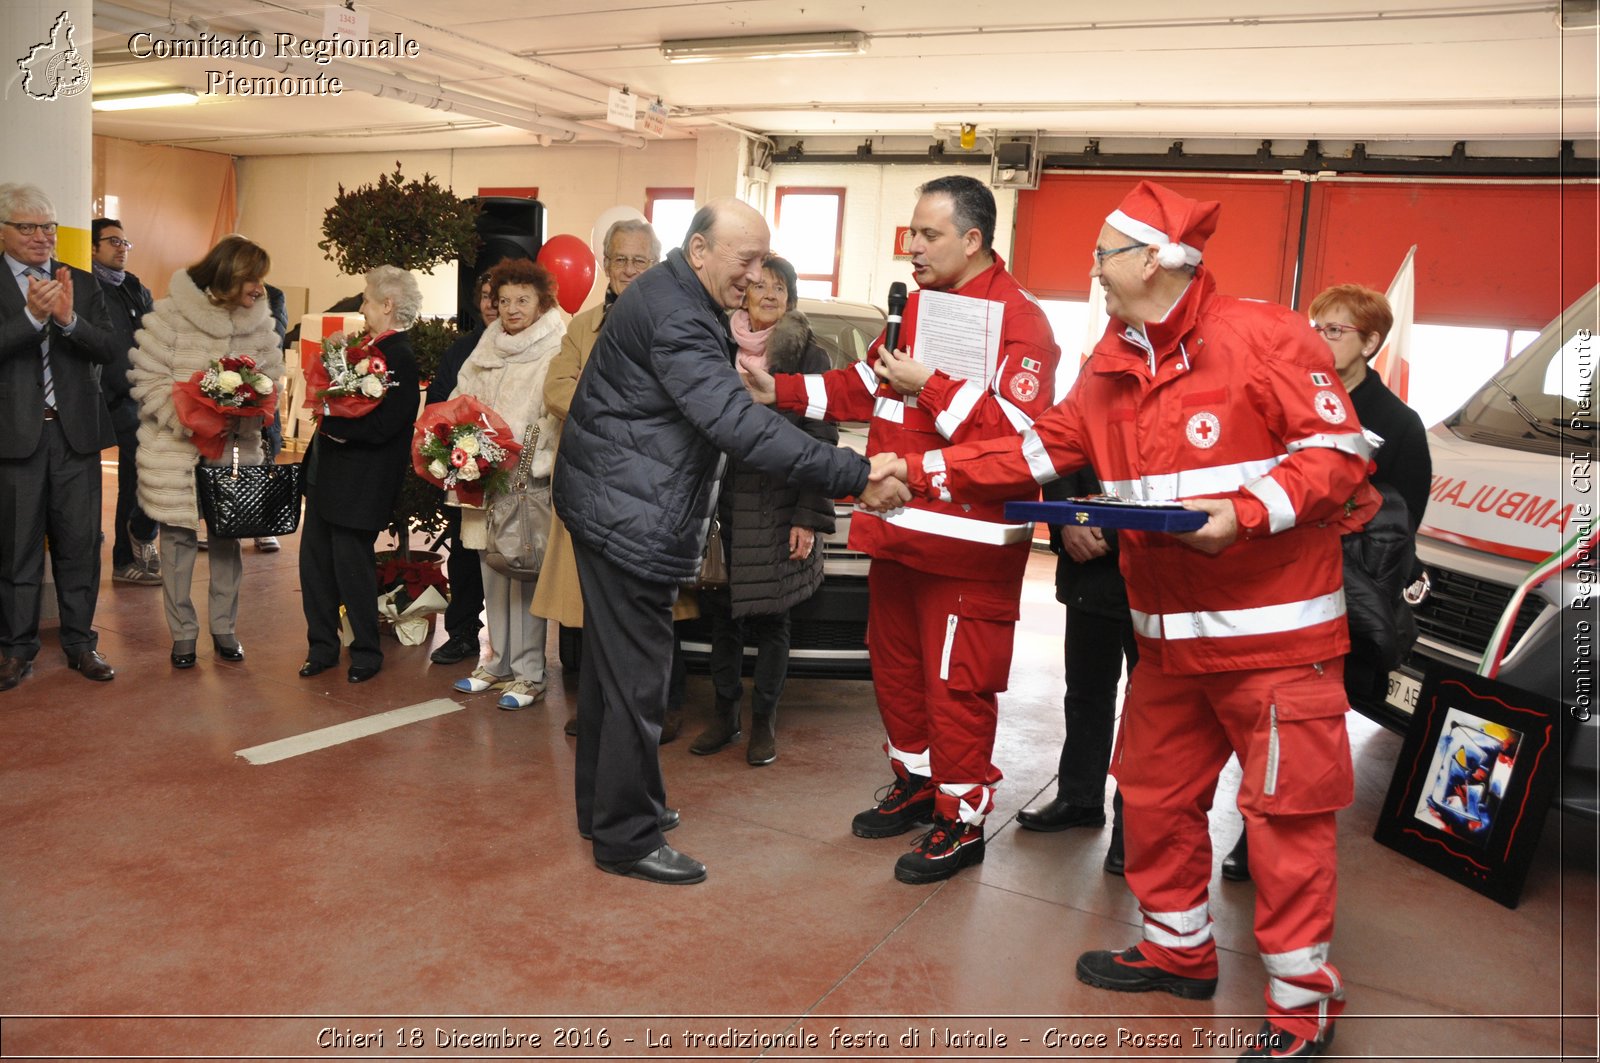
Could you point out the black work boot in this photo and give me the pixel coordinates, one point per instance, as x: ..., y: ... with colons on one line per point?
x: 940, y: 853
x: 901, y: 805
x: 723, y: 732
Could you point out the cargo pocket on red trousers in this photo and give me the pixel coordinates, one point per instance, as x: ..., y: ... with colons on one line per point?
x: 1300, y: 753
x: 977, y: 644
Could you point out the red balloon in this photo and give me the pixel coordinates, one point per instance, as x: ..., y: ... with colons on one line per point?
x: 571, y: 263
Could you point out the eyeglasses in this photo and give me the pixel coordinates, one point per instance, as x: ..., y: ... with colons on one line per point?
x: 116, y: 241
x: 1333, y: 330
x: 638, y: 262
x: 1103, y: 253
x: 28, y: 228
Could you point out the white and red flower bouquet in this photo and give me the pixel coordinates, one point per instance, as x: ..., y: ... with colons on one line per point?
x: 229, y: 387
x: 463, y: 446
x: 350, y: 378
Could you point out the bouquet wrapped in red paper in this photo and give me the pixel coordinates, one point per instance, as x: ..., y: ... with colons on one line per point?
x: 228, y: 387
x: 463, y: 446
x: 350, y: 378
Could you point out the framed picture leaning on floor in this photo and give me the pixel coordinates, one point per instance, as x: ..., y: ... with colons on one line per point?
x: 1474, y: 781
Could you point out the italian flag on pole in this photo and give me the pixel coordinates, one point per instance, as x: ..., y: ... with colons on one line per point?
x: 1393, y: 362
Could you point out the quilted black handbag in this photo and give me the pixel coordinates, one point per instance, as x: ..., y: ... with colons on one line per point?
x: 248, y: 501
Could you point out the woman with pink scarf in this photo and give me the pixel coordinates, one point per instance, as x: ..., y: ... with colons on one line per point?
x: 770, y: 531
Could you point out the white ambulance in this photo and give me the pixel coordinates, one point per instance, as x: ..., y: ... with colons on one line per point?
x: 1514, y: 492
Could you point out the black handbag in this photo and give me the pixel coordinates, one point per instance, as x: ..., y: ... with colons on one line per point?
x: 518, y: 521
x: 248, y: 501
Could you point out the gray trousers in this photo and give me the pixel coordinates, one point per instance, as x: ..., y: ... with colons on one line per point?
x: 516, y: 635
x: 178, y: 550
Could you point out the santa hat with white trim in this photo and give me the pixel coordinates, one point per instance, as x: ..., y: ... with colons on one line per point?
x: 1177, y: 225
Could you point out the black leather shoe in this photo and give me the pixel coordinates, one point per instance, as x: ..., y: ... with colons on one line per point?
x: 361, y: 673
x: 182, y: 660
x: 92, y: 666
x: 666, y: 865
x: 668, y: 820
x: 13, y: 670
x: 1059, y: 815
x: 311, y: 668
x: 1115, y: 862
x: 1236, y: 865
x: 455, y: 649
x: 225, y: 652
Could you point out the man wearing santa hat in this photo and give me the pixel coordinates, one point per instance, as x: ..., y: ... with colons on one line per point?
x: 1235, y: 408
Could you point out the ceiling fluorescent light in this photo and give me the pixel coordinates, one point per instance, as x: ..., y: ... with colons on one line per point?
x: 767, y: 46
x: 133, y: 101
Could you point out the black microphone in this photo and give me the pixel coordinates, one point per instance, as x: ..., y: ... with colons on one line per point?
x: 897, y: 307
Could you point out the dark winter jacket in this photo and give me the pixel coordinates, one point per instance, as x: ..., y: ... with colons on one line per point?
x: 358, y: 463
x: 1404, y: 460
x: 1377, y: 566
x: 127, y: 304
x: 757, y: 509
x: 656, y: 407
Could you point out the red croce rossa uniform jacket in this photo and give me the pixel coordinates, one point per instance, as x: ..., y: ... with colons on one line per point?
x: 1232, y: 399
x: 943, y: 538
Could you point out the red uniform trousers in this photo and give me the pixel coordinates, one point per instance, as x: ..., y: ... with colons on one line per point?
x: 1287, y: 726
x: 941, y: 651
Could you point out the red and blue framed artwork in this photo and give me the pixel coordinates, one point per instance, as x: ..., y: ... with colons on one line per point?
x: 1474, y: 781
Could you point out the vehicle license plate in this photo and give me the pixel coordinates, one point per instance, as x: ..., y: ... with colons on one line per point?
x: 1403, y: 691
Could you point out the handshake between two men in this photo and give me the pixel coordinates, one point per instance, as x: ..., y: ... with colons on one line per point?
x: 886, y: 485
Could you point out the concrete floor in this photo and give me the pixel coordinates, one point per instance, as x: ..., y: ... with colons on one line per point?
x: 398, y: 895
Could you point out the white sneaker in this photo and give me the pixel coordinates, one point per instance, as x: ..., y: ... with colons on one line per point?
x: 480, y: 680
x: 520, y: 694
x: 267, y: 544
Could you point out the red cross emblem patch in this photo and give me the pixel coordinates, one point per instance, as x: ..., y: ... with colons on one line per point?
x: 1204, y: 430
x: 1024, y: 387
x: 1329, y: 408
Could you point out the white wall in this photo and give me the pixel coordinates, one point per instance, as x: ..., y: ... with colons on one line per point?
x: 879, y: 197
x: 282, y: 198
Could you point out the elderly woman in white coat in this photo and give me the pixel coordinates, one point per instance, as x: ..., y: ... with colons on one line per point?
x: 215, y: 308
x: 506, y: 372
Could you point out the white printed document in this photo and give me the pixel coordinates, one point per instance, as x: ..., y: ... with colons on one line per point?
x: 959, y: 335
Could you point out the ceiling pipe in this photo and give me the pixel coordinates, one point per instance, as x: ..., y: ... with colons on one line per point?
x: 395, y: 87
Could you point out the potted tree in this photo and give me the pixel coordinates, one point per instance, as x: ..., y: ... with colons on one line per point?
x: 415, y: 225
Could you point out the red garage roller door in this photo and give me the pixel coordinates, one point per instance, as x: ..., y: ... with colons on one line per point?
x: 1493, y: 254
x: 1252, y: 254
x: 1502, y: 254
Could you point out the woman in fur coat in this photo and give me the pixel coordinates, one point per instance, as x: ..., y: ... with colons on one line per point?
x: 769, y: 529
x: 215, y: 308
x: 506, y: 372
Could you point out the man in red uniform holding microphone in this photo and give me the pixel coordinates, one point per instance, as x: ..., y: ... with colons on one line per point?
x: 945, y: 579
x: 1234, y: 408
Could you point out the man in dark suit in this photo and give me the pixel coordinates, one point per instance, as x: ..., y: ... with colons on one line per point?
x: 55, y: 335
x: 134, y: 557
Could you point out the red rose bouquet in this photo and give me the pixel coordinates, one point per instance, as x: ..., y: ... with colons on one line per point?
x: 463, y: 446
x: 229, y: 387
x: 350, y: 378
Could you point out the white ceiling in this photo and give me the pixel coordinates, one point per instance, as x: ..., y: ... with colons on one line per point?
x: 500, y: 72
